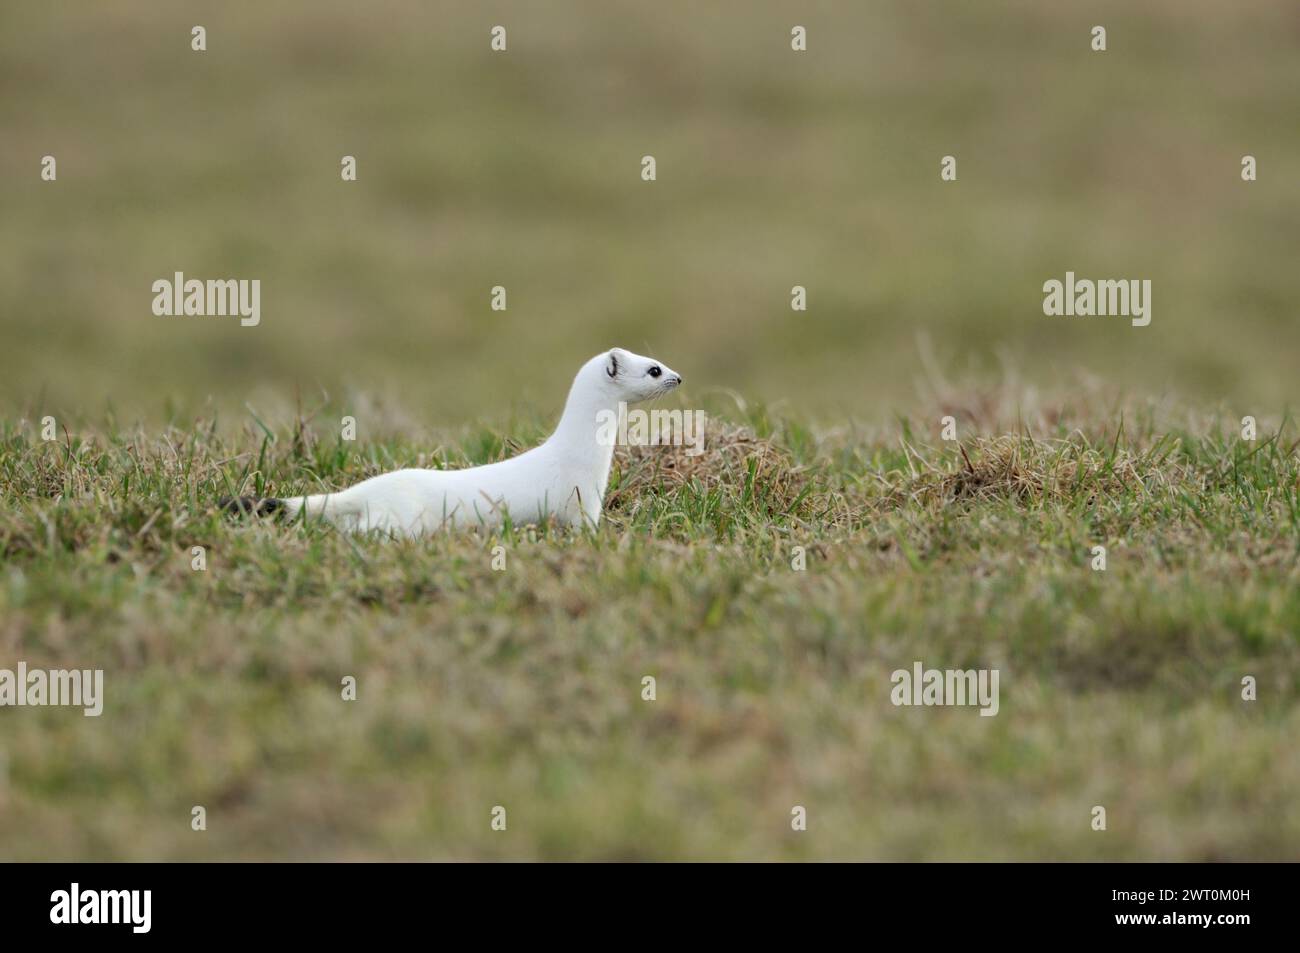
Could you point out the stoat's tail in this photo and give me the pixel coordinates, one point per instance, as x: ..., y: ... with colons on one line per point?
x: 329, y: 506
x: 251, y: 506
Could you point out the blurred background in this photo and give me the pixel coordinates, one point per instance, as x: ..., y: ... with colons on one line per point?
x: 522, y: 169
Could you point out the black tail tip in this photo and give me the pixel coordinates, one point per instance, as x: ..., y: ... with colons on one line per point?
x: 250, y: 505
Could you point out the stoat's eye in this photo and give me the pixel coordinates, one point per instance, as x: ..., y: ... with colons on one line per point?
x: 654, y: 371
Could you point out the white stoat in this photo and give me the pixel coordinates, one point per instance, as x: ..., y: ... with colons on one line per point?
x: 564, y: 478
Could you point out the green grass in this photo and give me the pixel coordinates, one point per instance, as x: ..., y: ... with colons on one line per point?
x: 522, y: 169
x: 522, y: 687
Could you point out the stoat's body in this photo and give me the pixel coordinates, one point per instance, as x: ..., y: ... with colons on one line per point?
x: 564, y: 478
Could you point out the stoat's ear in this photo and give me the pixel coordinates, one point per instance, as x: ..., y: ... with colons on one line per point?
x: 611, y: 365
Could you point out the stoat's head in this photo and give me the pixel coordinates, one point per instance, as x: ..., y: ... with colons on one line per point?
x: 630, y: 377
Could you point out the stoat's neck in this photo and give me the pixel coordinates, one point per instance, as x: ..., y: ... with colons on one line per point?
x: 576, y: 439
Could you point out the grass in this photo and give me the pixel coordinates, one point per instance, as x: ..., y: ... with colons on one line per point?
x: 522, y: 169
x: 522, y: 687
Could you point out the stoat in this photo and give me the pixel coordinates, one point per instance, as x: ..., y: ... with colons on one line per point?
x: 564, y: 478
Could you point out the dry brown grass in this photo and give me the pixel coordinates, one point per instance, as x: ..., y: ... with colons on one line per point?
x: 737, y: 465
x: 1034, y: 472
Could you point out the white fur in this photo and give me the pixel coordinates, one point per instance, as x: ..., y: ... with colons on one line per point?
x: 564, y: 478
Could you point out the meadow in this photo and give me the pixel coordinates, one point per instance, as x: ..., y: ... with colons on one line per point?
x: 512, y: 676
x: 827, y: 537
